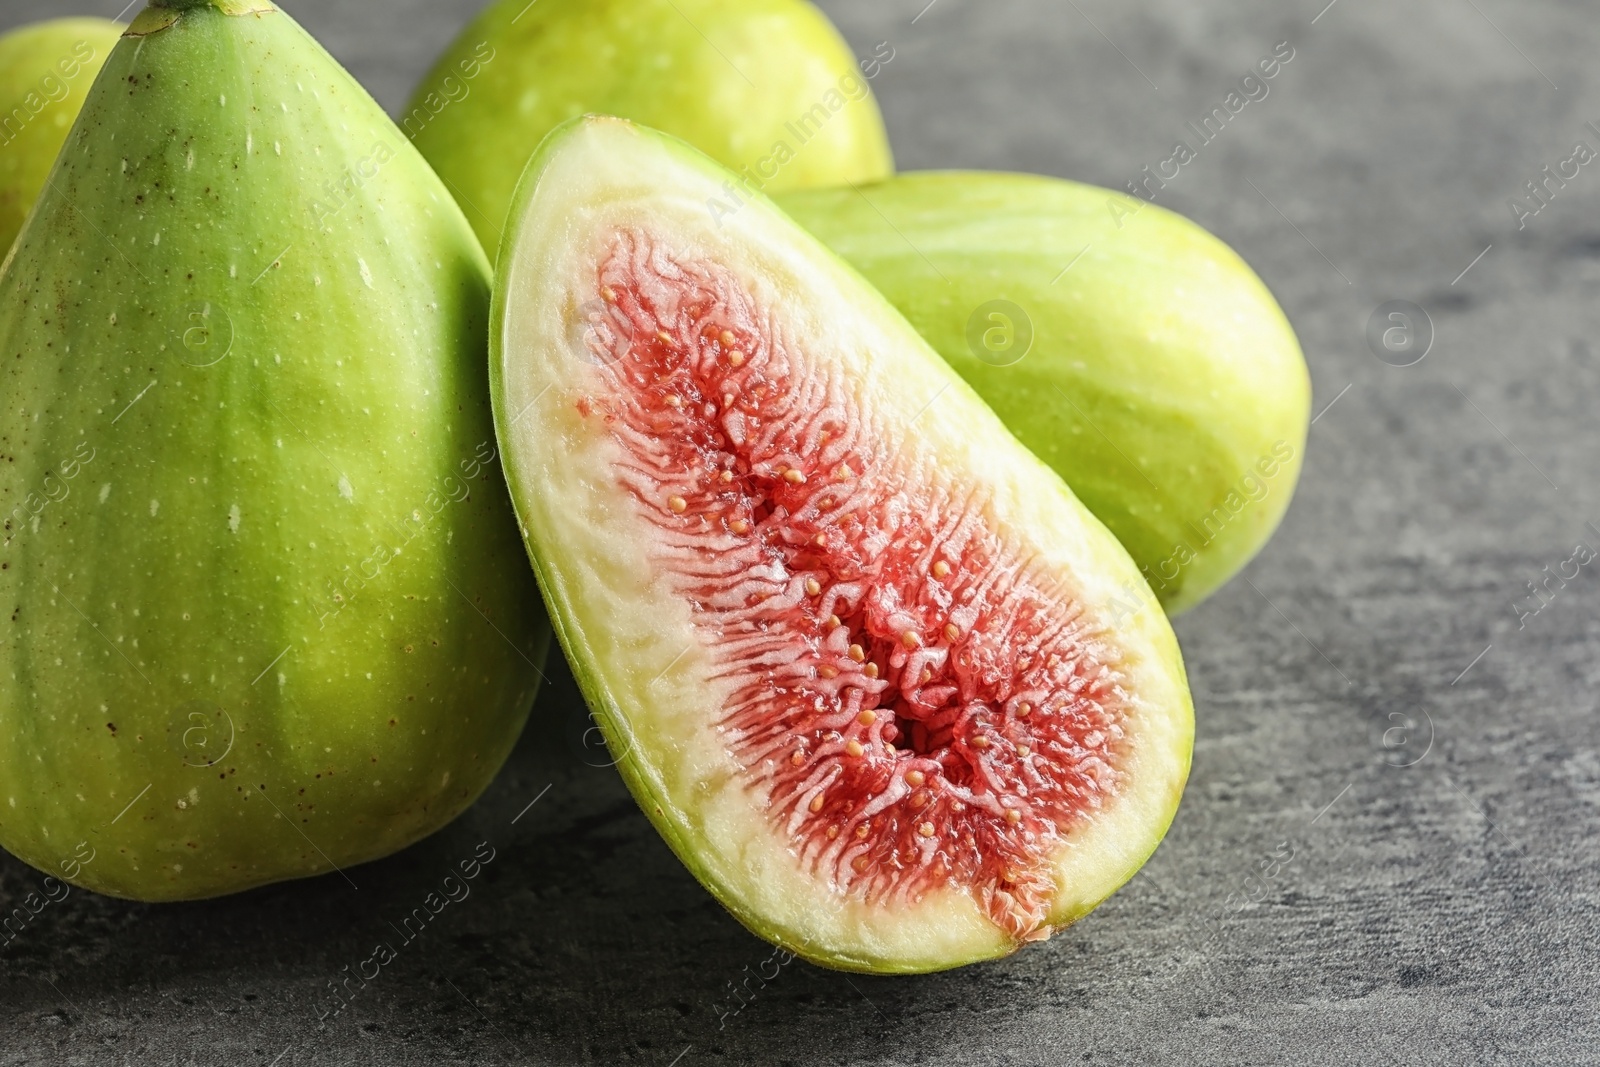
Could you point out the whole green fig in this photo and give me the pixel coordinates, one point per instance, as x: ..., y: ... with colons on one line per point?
x: 765, y: 87
x: 266, y: 613
x: 1127, y: 347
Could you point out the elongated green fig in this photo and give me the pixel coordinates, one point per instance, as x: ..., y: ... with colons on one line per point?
x: 265, y: 610
x: 45, y: 72
x: 767, y: 87
x: 1132, y: 351
x: 851, y: 644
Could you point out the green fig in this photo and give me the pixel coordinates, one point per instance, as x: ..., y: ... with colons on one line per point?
x: 266, y: 614
x: 1131, y: 350
x: 766, y: 87
x: 45, y: 72
x: 859, y: 654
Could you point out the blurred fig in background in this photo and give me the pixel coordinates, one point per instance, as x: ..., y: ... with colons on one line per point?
x: 767, y: 88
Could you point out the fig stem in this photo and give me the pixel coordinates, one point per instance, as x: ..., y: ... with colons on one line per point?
x: 227, y: 7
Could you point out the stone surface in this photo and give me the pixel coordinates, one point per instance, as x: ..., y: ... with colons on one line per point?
x: 1380, y: 858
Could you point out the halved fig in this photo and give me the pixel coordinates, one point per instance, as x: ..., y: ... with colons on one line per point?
x: 888, y: 690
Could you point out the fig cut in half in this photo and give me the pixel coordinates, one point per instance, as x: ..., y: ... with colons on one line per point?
x: 851, y: 644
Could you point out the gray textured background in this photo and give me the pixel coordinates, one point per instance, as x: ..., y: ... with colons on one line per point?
x: 1442, y: 912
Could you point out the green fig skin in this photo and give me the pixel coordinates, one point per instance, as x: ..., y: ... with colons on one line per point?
x: 1163, y: 382
x: 45, y: 72
x: 767, y: 88
x: 266, y: 613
